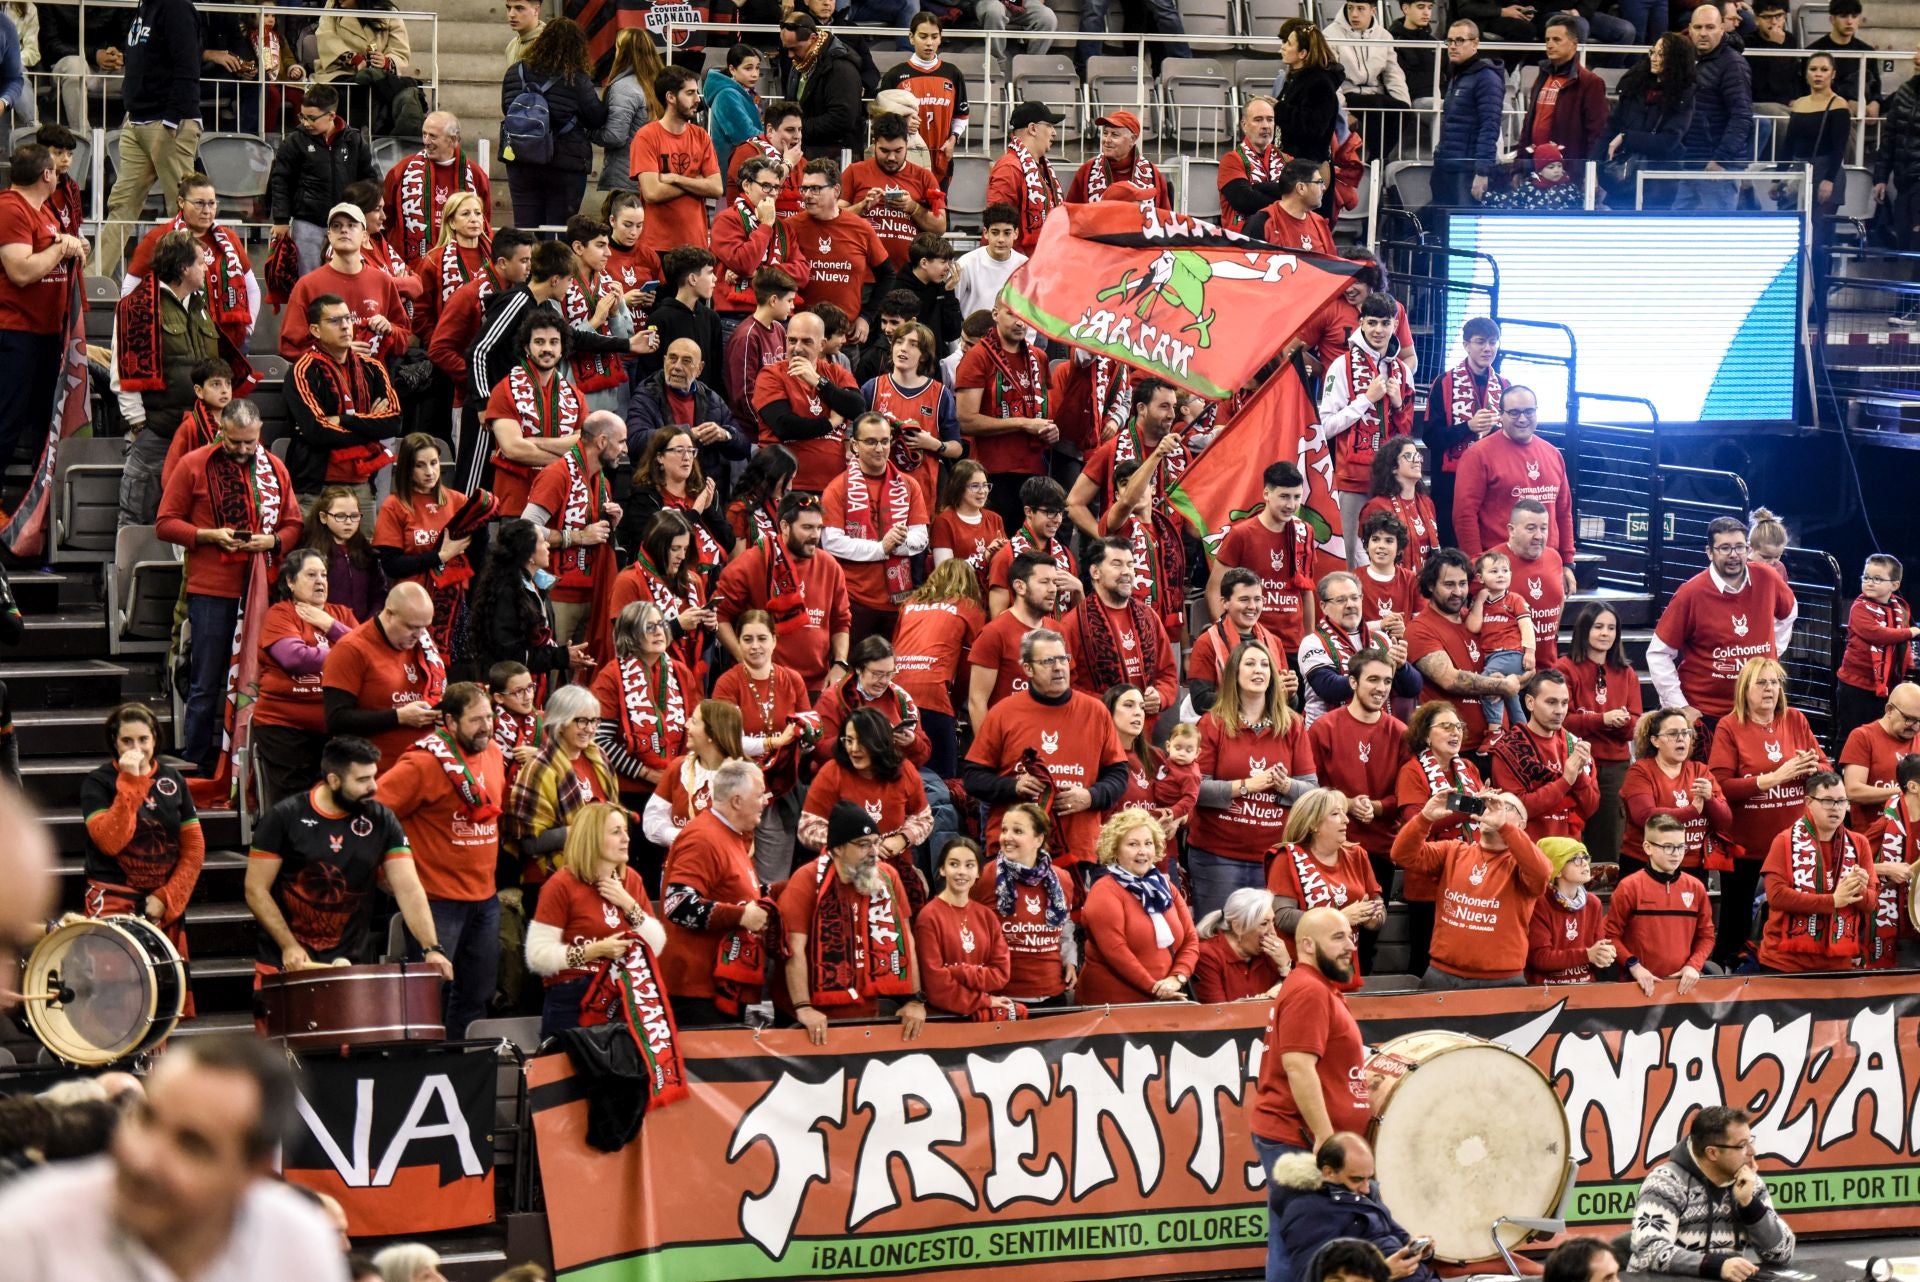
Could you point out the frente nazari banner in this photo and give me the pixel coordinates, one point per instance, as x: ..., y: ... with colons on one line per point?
x: 1114, y: 1142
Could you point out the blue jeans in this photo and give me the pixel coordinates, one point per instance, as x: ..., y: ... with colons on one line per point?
x: 469, y: 932
x: 1279, y: 1261
x: 943, y: 732
x: 212, y: 620
x: 561, y: 1008
x: 1214, y: 877
x: 1708, y: 195
x: 1166, y: 22
x: 1494, y: 707
x: 946, y: 820
x: 885, y: 13
x: 1649, y: 18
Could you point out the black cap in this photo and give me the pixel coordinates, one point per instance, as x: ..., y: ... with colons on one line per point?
x: 848, y: 823
x: 1032, y: 113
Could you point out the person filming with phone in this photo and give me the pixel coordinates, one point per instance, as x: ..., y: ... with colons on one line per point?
x: 1704, y: 1208
x: 1336, y: 1197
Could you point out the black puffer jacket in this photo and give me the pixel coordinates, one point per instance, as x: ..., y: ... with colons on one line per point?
x: 1899, y: 156
x: 574, y: 111
x: 829, y: 95
x: 309, y: 174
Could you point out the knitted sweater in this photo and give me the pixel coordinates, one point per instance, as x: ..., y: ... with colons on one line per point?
x: 1684, y: 1224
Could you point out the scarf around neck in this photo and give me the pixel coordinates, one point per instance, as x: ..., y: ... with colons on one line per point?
x: 1039, y: 186
x: 1140, y: 173
x: 1012, y: 875
x: 1830, y: 934
x: 480, y: 807
x: 854, y: 951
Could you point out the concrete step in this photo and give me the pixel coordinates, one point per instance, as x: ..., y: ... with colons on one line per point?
x: 66, y: 634
x: 222, y: 875
x: 69, y: 829
x: 55, y: 781
x: 221, y: 929
x: 76, y: 683
x: 40, y: 592
x: 63, y: 731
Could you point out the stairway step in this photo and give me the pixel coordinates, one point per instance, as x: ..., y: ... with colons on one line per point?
x: 74, y: 683
x: 229, y: 1021
x: 55, y: 781
x: 221, y: 929
x: 217, y: 861
x: 40, y: 592
x: 65, y: 731
x: 65, y: 634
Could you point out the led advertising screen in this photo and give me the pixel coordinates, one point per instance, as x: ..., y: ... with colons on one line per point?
x: 1699, y: 315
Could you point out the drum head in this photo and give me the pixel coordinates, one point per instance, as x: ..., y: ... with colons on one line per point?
x: 1473, y: 1133
x: 116, y: 998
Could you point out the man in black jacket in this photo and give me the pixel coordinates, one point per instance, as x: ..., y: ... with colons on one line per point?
x: 161, y: 137
x: 311, y: 172
x: 823, y: 76
x: 1898, y: 162
x: 344, y: 407
x: 1775, y: 80
x: 929, y: 276
x: 675, y: 394
x: 82, y: 61
x: 685, y: 309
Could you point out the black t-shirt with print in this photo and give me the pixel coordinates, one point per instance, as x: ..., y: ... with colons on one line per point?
x: 329, y: 865
x: 149, y: 856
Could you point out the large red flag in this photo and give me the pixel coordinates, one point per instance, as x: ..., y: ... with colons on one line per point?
x: 1223, y: 486
x: 25, y: 531
x: 1181, y: 299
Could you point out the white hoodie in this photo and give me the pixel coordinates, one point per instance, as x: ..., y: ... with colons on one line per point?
x: 1370, y: 68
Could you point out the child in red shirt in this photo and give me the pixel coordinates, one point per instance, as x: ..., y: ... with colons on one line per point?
x: 1176, y: 784
x: 1500, y: 620
x: 1566, y: 942
x: 1658, y: 918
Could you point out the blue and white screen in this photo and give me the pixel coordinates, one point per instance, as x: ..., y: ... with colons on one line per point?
x: 1699, y: 315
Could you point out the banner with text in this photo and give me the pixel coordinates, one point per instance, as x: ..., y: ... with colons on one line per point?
x: 403, y: 1139
x: 1115, y: 1141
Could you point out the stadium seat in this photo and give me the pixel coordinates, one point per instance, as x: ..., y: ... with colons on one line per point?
x: 1200, y: 187
x: 238, y: 164
x: 971, y: 62
x: 967, y: 190
x: 142, y: 589
x: 86, y: 493
x: 1810, y: 21
x: 388, y: 152
x: 1254, y: 76
x: 1412, y: 181
x: 1355, y: 220
x: 103, y: 293
x: 1263, y: 17
x: 1203, y: 18
x: 1121, y: 84
x: 1857, y: 201
x: 522, y: 1031
x: 1199, y: 101
x: 1049, y: 78
x: 266, y: 331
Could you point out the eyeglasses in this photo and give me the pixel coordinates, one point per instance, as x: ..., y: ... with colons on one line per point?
x: 1463, y: 40
x: 344, y: 318
x: 1667, y: 848
x: 1875, y: 578
x: 1743, y: 1146
x: 809, y: 189
x: 201, y: 204
x: 656, y: 625
x: 345, y: 518
x: 1058, y: 661
x: 681, y: 449
x: 1826, y: 801
x: 1586, y: 859
x: 1682, y: 733
x: 1732, y: 547
x: 314, y: 117
x: 1526, y: 413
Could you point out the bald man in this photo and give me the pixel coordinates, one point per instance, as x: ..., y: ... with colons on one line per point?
x: 1334, y: 1196
x: 1310, y: 1085
x: 384, y: 679
x: 417, y: 188
x: 1720, y: 135
x: 26, y: 870
x: 677, y: 393
x: 806, y: 403
x: 1872, y: 754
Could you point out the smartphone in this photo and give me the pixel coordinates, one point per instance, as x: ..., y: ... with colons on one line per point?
x: 1420, y: 1246
x: 1461, y: 804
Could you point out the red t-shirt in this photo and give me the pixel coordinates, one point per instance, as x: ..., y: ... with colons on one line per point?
x: 1430, y: 632
x: 1716, y: 632
x: 1871, y: 746
x: 743, y: 586
x: 984, y: 368
x: 1741, y: 753
x: 822, y: 458
x: 765, y: 707
x: 414, y: 527
x: 1309, y: 231
x: 1000, y: 569
x: 1146, y: 662
x: 928, y: 640
x: 38, y: 308
x: 1423, y: 526
x: 1362, y: 761
x: 1075, y: 742
x: 1594, y: 693
x: 633, y: 265
x: 286, y: 699
x: 842, y: 256
x: 788, y: 202
x: 548, y: 492
x: 998, y: 647
x: 1879, y: 643
x: 1541, y: 584
x: 368, y: 293
x: 365, y: 665
x: 1251, y: 545
x: 867, y: 580
x: 1410, y: 795
x: 1252, y: 821
x: 455, y: 853
x: 689, y: 153
x: 1349, y: 881
x: 1495, y: 473
x: 1500, y: 622
x: 513, y: 481
x: 581, y: 916
x: 1310, y: 1017
x: 1401, y: 597
x: 888, y: 804
x: 967, y: 540
x: 894, y: 226
x: 1554, y: 808
x: 1034, y: 946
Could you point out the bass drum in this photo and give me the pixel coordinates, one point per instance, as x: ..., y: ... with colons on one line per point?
x: 98, y: 991
x: 1464, y: 1132
x: 331, y: 1007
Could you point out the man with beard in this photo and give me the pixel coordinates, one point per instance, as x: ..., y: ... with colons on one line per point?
x: 384, y: 680
x: 188, y: 1188
x: 1488, y: 886
x: 1115, y: 638
x: 344, y: 409
x: 535, y: 411
x: 901, y: 199
x: 1503, y: 467
x: 806, y: 403
x: 673, y: 160
x: 1249, y: 175
x: 1242, y: 598
x: 1154, y: 437
x: 417, y: 188
x: 227, y: 503
x: 1311, y: 1086
x: 847, y: 263
x: 1870, y: 759
x: 994, y: 670
x: 1120, y: 161
x: 1327, y: 653
x: 875, y: 520
x: 1022, y: 178
x: 849, y: 943
x: 1446, y: 654
x: 1547, y: 768
x: 446, y: 791
x: 1360, y: 747
x: 1049, y: 744
x: 1723, y: 616
x: 806, y: 594
x: 1542, y: 579
x: 573, y: 500
x: 316, y: 861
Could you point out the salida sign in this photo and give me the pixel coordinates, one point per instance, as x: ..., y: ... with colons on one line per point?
x: 1116, y: 1142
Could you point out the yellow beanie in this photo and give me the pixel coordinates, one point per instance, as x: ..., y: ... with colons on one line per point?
x: 1559, y: 851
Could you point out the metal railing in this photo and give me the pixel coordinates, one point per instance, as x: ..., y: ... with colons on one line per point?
x: 1819, y: 635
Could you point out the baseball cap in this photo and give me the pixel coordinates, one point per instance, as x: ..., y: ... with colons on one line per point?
x: 1032, y: 113
x: 350, y: 209
x: 1121, y: 120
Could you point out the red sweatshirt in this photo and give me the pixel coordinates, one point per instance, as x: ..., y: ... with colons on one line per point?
x: 742, y: 253
x: 1648, y: 791
x: 1252, y: 821
x: 1664, y: 923
x: 1787, y: 906
x: 1123, y: 962
x: 186, y: 508
x: 963, y: 956
x: 1742, y: 752
x: 1879, y: 643
x: 744, y: 585
x: 1494, y: 474
x: 1486, y: 899
x: 1222, y: 975
x: 709, y: 867
x: 1594, y: 693
x: 1556, y: 808
x: 1558, y: 940
x: 1033, y: 947
x: 1136, y: 652
x: 1716, y: 632
x: 1362, y: 761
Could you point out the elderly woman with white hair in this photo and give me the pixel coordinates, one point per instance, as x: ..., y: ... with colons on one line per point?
x: 567, y: 773
x: 647, y: 698
x: 409, y: 1262
x: 1242, y: 957
x: 1489, y: 884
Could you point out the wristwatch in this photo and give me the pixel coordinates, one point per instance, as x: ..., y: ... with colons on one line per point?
x: 427, y: 950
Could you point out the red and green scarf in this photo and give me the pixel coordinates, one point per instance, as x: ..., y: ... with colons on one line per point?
x: 440, y: 745
x: 855, y: 950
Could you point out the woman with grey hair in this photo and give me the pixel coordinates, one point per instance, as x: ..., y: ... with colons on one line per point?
x: 409, y: 1262
x: 646, y: 697
x: 1242, y: 958
x: 568, y: 772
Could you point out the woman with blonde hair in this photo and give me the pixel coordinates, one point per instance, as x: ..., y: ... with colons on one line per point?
x: 460, y: 254
x: 409, y: 1262
x: 1254, y: 762
x: 1768, y: 538
x: 937, y: 627
x: 1242, y: 957
x: 713, y: 739
x: 1315, y: 866
x: 631, y: 103
x: 1140, y: 941
x: 1762, y: 753
x: 573, y: 936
